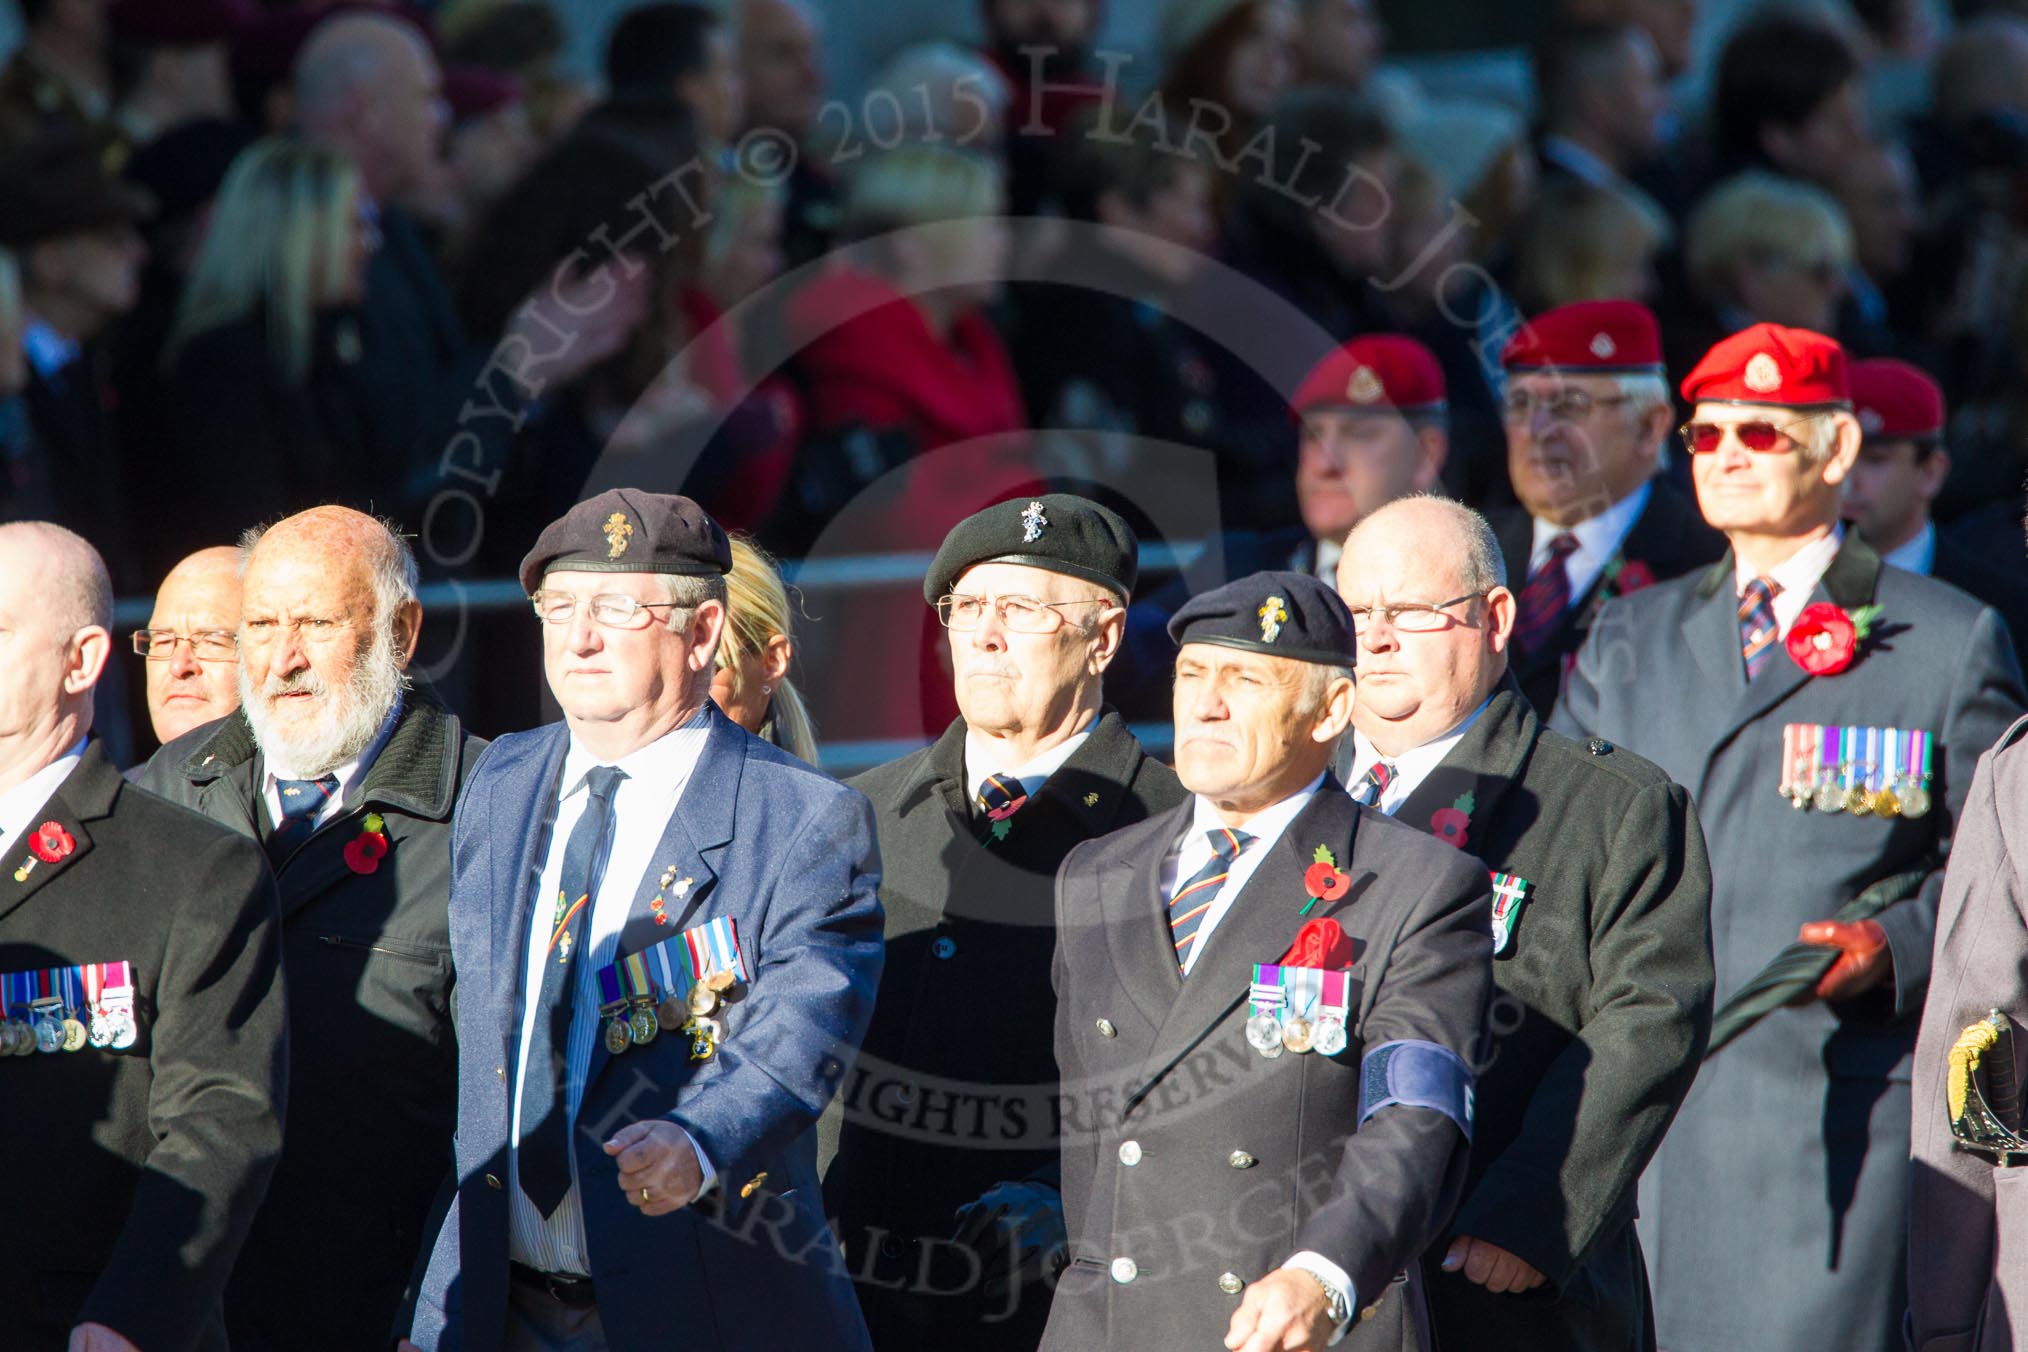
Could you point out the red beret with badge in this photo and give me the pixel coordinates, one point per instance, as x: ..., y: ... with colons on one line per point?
x: 1896, y: 401
x: 1770, y: 364
x: 1598, y: 337
x: 1379, y: 371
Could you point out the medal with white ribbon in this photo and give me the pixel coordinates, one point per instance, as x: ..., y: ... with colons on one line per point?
x: 1264, y: 1008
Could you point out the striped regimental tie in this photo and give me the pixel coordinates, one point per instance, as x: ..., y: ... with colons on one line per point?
x: 1193, y: 899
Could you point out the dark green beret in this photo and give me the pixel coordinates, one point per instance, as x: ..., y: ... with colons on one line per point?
x: 1061, y: 532
x: 1280, y: 614
x: 624, y: 530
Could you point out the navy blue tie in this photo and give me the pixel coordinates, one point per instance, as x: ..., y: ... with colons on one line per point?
x: 302, y: 800
x: 545, y: 1120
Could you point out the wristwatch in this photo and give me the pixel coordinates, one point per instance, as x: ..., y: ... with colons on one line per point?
x: 1335, y: 1303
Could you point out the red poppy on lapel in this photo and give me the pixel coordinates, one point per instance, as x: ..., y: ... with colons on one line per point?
x: 1633, y: 576
x: 1323, y: 881
x: 1452, y: 825
x: 364, y: 852
x: 1825, y: 639
x: 51, y: 843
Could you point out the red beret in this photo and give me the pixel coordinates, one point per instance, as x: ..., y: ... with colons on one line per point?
x: 179, y: 23
x: 1609, y: 337
x: 1768, y: 364
x: 1896, y: 401
x: 1379, y: 371
x: 475, y: 91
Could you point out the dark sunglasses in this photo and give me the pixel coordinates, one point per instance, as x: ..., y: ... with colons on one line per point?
x: 1762, y: 438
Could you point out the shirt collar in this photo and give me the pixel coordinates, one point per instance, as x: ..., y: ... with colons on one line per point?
x: 20, y: 805
x: 660, y: 766
x: 982, y: 758
x: 1328, y: 554
x: 1266, y: 825
x: 1799, y: 574
x: 1918, y: 554
x: 1599, y: 535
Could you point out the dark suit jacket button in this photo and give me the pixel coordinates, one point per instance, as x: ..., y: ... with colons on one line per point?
x: 945, y: 947
x: 888, y: 1248
x: 492, y: 1180
x: 1599, y: 746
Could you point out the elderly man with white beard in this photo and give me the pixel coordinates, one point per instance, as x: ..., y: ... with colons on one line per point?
x: 345, y: 769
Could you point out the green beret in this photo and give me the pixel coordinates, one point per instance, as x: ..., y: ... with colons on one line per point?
x: 1060, y: 532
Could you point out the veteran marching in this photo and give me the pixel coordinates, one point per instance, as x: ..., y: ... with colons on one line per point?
x: 1266, y: 998
x: 945, y: 1181
x: 1601, y: 938
x: 1827, y: 732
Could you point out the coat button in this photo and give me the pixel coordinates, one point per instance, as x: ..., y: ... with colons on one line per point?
x: 501, y: 1073
x: 1239, y: 1159
x: 945, y: 948
x: 1130, y: 1153
x: 1599, y: 746
x: 1230, y: 1283
x: 1125, y: 1270
x: 888, y: 1248
x: 493, y: 1180
x: 1106, y: 1029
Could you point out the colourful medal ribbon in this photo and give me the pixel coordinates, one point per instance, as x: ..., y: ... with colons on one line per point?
x: 1926, y: 743
x: 609, y: 989
x: 673, y: 981
x: 1266, y: 995
x: 1336, y: 993
x: 1827, y: 762
x: 639, y: 987
x: 1305, y: 988
x: 1786, y: 787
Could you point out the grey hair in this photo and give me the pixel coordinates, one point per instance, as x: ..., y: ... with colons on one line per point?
x: 688, y: 593
x: 1317, y: 681
x: 1481, y: 566
x: 1820, y: 440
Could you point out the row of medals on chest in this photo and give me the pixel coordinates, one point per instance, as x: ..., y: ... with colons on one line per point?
x: 640, y: 1019
x: 1858, y: 771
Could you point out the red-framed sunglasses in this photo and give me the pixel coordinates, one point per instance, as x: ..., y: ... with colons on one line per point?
x: 1762, y: 438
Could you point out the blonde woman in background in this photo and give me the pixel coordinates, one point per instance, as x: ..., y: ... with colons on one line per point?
x: 271, y: 409
x: 1584, y: 242
x: 751, y: 685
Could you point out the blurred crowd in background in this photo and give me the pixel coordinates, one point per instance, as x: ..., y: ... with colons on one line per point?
x: 258, y: 258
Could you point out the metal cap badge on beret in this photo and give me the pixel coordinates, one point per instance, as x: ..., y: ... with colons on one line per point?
x: 624, y: 530
x: 1379, y: 371
x: 1606, y: 337
x: 1280, y: 614
x: 1769, y: 364
x: 1060, y: 532
x: 1896, y: 401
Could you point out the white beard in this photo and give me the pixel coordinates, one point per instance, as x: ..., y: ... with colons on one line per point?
x: 348, y: 723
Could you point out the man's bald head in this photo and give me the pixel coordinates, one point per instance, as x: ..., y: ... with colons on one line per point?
x: 56, y: 607
x: 1415, y: 684
x: 339, y: 540
x: 75, y: 589
x: 368, y: 86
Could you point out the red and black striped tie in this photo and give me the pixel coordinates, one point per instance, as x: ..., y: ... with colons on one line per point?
x: 1546, y: 596
x: 1757, y: 627
x: 1193, y: 899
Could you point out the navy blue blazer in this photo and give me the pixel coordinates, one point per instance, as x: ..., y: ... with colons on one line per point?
x: 790, y: 855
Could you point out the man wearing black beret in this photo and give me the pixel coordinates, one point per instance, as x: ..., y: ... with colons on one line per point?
x: 1267, y: 999
x: 666, y: 934
x: 950, y: 1108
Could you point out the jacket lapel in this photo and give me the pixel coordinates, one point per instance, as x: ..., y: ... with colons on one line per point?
x: 87, y: 795
x: 1144, y: 953
x: 1257, y: 927
x: 1485, y: 763
x: 531, y: 789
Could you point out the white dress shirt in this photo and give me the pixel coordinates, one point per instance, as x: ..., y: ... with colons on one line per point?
x: 1598, y: 539
x: 647, y: 797
x: 21, y: 806
x: 1411, y: 767
x: 1797, y: 576
x: 1917, y: 554
x: 350, y: 775
x: 983, y: 757
x: 1328, y: 554
x: 1193, y: 852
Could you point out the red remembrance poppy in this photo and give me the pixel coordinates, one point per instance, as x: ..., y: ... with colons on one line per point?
x: 1324, y: 882
x: 359, y: 858
x: 51, y: 842
x: 1633, y: 576
x: 1448, y: 825
x: 1823, y: 639
x: 1000, y: 814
